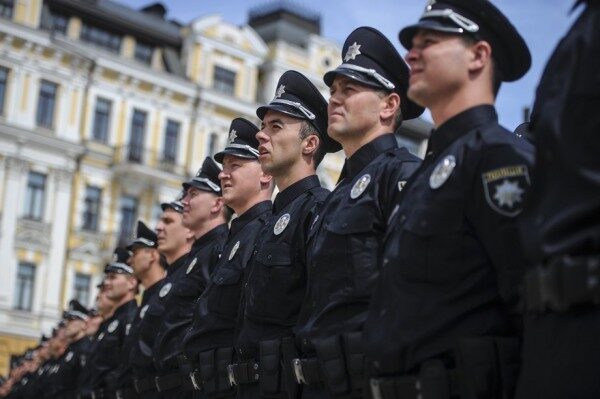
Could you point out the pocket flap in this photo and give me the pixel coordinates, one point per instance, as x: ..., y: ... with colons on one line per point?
x: 226, y: 276
x: 274, y: 254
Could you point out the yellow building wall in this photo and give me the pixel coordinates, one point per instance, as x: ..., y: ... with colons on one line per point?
x: 12, y: 345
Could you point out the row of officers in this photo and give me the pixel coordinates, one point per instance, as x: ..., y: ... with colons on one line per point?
x: 473, y: 273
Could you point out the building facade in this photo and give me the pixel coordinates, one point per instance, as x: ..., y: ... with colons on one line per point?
x: 104, y: 110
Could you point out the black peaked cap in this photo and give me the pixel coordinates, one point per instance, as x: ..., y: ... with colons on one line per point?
x: 206, y: 179
x: 241, y: 142
x: 481, y: 20
x: 297, y: 96
x: 176, y: 205
x: 371, y: 59
x: 119, y: 262
x: 76, y: 311
x: 145, y: 237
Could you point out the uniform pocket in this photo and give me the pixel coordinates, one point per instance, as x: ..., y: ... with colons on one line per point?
x: 225, y: 293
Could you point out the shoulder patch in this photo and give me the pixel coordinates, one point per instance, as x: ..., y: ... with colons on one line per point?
x: 505, y: 187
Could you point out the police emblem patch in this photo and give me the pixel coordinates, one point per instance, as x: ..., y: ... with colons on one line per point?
x: 165, y: 290
x: 442, y: 172
x: 69, y: 356
x: 360, y: 186
x: 281, y: 224
x: 352, y: 52
x: 504, y: 189
x: 100, y: 336
x: 191, y: 266
x: 234, y: 250
x: 143, y: 311
x: 113, y: 326
x: 401, y: 185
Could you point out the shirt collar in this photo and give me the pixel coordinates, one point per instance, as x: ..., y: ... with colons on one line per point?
x: 238, y: 223
x: 172, y: 268
x: 295, y: 190
x: 148, y: 291
x: 365, y: 154
x: 208, y: 237
x: 124, y: 308
x: 458, y: 125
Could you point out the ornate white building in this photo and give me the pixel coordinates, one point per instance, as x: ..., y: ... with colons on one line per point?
x: 104, y: 110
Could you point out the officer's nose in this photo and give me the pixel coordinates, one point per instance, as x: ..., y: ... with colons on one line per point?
x: 261, y: 136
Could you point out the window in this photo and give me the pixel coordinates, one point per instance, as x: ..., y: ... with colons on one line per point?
x: 224, y: 80
x: 24, y: 286
x: 46, y: 102
x: 101, y: 120
x: 59, y: 23
x: 143, y: 52
x: 91, y: 211
x: 171, y: 139
x: 136, y: 137
x: 6, y: 8
x: 212, y: 144
x: 3, y: 84
x: 81, y: 288
x: 34, y: 201
x: 101, y: 37
x: 128, y: 217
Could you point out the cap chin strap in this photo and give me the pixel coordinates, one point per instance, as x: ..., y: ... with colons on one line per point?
x: 460, y: 20
x: 254, y: 151
x: 208, y: 182
x: 145, y: 241
x: 305, y: 111
x: 372, y: 73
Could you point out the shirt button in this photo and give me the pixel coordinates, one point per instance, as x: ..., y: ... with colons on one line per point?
x: 255, y: 252
x: 382, y: 312
x: 241, y: 352
x: 305, y: 341
x: 269, y: 256
x: 402, y: 218
x: 385, y: 262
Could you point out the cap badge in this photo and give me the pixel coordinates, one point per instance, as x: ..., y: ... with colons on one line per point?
x: 232, y: 136
x: 442, y: 172
x: 234, y: 250
x: 113, y: 326
x: 281, y: 224
x: 352, y: 52
x: 115, y: 258
x: 191, y: 266
x: 143, y: 311
x: 69, y: 356
x: 360, y: 186
x: 280, y: 91
x: 165, y: 290
x: 430, y: 4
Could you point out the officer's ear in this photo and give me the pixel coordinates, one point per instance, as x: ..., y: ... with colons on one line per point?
x: 390, y: 102
x: 310, y: 144
x: 480, y: 56
x: 218, y: 205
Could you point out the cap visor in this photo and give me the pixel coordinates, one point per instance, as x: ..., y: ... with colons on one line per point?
x: 284, y: 109
x: 330, y: 76
x: 406, y: 34
x: 237, y: 152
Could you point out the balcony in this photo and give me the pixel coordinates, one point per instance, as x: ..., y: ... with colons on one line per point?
x: 139, y: 165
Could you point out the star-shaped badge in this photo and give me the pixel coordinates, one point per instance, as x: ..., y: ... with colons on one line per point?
x: 232, y: 136
x: 352, y: 52
x: 508, y: 193
x: 280, y: 91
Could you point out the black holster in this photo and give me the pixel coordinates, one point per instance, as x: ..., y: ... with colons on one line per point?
x: 270, y: 376
x: 487, y: 367
x: 213, y: 370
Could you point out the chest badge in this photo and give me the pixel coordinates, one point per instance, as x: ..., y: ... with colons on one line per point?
x: 360, y: 186
x: 442, y: 172
x: 69, y: 357
x: 234, y: 250
x: 143, y: 311
x: 281, y: 224
x: 127, y: 328
x: 100, y: 336
x: 113, y: 326
x: 165, y: 290
x: 191, y: 266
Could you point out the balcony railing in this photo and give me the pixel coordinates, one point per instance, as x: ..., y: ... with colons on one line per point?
x: 136, y: 155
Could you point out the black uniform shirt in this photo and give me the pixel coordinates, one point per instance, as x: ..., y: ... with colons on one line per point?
x: 344, y: 239
x: 84, y: 382
x: 129, y: 353
x: 179, y: 293
x: 451, y: 259
x: 215, y: 311
x: 109, y: 343
x: 277, y: 272
x: 69, y: 367
x: 563, y: 211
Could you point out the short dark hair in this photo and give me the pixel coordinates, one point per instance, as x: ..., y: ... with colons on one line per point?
x: 306, y: 129
x: 496, y: 73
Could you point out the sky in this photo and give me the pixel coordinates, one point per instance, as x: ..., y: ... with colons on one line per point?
x: 541, y: 22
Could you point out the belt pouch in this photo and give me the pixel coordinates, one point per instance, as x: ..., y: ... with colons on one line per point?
x: 270, y: 363
x: 331, y: 359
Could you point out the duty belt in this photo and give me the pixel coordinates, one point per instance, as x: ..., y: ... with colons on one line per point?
x: 190, y: 382
x: 243, y: 373
x: 424, y: 385
x: 563, y: 282
x: 307, y: 371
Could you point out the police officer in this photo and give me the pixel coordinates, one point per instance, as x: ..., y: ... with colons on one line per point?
x: 292, y: 142
x: 247, y: 190
x: 443, y: 319
x: 149, y: 268
x: 368, y: 102
x: 120, y: 286
x: 83, y: 382
x: 174, y: 242
x: 205, y: 216
x: 561, y: 223
x: 67, y: 374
